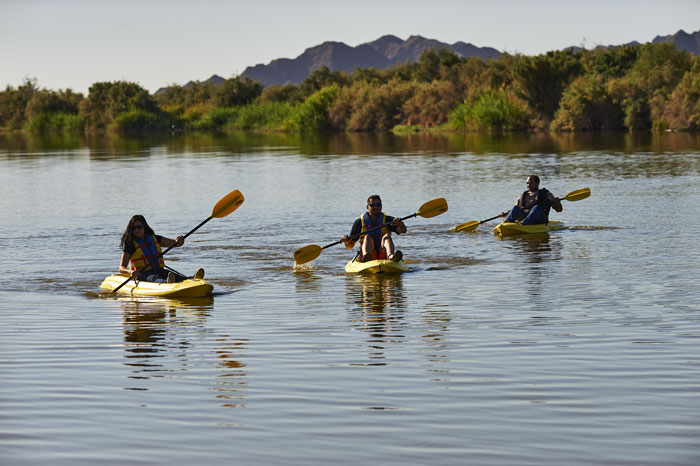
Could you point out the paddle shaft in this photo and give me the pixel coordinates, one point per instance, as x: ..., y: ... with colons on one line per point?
x: 362, y: 233
x: 163, y: 253
x: 488, y: 219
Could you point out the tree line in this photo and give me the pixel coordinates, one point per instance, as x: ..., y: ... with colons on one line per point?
x: 629, y: 88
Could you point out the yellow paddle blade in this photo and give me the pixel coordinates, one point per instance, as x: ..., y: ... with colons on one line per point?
x: 307, y: 253
x: 468, y: 227
x: 227, y: 204
x: 577, y: 195
x: 433, y: 208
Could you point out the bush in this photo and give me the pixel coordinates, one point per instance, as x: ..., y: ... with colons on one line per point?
x: 270, y: 116
x: 13, y: 104
x: 494, y: 110
x: 139, y: 121
x: 682, y: 111
x: 367, y: 107
x: 217, y: 118
x: 107, y: 101
x: 46, y: 122
x: 312, y: 114
x: 586, y: 106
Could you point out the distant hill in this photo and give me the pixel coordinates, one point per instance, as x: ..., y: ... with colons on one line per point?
x: 216, y: 79
x: 683, y: 41
x: 387, y: 51
x: 337, y: 56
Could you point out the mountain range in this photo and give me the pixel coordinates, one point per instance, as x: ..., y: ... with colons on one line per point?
x: 387, y: 51
x: 337, y: 56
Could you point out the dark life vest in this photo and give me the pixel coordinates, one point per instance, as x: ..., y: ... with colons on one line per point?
x: 541, y: 198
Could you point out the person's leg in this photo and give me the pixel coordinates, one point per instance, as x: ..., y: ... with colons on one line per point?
x: 515, y: 214
x: 535, y: 217
x: 388, y: 245
x: 367, y: 249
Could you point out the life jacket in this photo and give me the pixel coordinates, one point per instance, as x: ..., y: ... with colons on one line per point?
x: 147, y: 253
x: 540, y: 199
x: 377, y: 234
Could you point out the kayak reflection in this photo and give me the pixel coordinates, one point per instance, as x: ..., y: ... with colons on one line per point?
x: 377, y: 305
x: 162, y: 337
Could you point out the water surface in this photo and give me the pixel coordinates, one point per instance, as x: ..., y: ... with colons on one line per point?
x: 578, y: 347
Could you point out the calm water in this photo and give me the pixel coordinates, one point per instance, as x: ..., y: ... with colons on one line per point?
x: 580, y: 347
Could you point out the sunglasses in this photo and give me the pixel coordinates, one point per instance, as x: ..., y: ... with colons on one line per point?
x: 137, y: 227
x: 375, y: 204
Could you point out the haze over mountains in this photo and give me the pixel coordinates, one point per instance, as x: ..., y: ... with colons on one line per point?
x: 387, y: 51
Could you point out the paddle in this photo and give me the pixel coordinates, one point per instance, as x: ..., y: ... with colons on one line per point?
x: 429, y: 209
x: 225, y: 206
x: 572, y: 197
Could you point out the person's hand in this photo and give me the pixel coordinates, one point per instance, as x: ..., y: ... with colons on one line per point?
x: 398, y: 225
x: 503, y: 214
x: 179, y: 241
x: 135, y: 274
x: 347, y: 241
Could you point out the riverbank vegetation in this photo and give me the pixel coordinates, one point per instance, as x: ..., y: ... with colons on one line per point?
x: 628, y: 88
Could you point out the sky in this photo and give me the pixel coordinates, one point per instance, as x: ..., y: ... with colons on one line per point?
x: 155, y: 43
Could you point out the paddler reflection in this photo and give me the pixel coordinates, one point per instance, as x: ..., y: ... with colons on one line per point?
x: 539, y: 254
x: 165, y: 336
x: 377, y: 305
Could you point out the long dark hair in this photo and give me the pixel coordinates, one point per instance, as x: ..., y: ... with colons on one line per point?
x: 128, y: 235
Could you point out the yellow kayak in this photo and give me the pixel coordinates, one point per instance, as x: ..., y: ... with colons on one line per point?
x: 190, y: 288
x: 507, y: 228
x: 376, y: 266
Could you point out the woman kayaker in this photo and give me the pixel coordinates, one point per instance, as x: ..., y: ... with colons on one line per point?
x: 141, y: 247
x: 377, y: 244
x: 532, y: 207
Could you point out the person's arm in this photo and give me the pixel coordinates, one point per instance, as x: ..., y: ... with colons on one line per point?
x: 356, y: 228
x: 167, y: 242
x: 556, y: 204
x: 124, y: 265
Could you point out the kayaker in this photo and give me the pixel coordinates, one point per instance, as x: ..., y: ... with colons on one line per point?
x: 376, y: 244
x: 532, y: 207
x: 142, y: 247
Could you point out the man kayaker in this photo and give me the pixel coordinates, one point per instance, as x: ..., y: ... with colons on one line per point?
x: 532, y: 207
x: 376, y: 244
x: 141, y: 247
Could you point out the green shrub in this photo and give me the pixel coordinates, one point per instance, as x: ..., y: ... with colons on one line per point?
x: 494, y: 110
x: 217, y: 118
x: 682, y: 111
x: 586, y: 105
x: 312, y: 114
x: 270, y: 116
x: 138, y: 121
x: 45, y: 122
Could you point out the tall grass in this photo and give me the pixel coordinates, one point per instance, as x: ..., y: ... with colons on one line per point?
x: 137, y: 120
x: 54, y: 122
x: 268, y: 116
x: 494, y: 110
